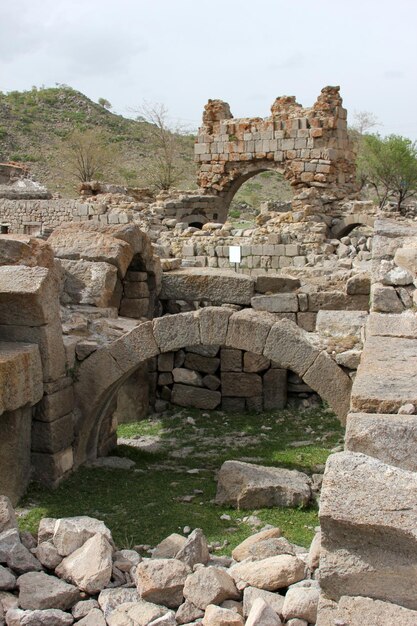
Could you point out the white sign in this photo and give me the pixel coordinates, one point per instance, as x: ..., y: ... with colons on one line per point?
x: 235, y: 254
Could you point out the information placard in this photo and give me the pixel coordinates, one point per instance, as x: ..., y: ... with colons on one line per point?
x: 235, y: 254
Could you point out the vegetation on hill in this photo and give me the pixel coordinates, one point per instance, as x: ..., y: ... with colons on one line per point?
x: 36, y: 127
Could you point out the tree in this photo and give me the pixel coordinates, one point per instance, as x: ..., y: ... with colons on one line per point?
x: 164, y: 168
x: 88, y: 154
x: 103, y: 102
x: 363, y: 121
x: 390, y: 166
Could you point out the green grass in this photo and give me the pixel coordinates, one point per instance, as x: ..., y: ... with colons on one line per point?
x: 143, y: 505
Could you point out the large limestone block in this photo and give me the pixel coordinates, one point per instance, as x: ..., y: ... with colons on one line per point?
x: 20, y: 376
x: 173, y: 332
x: 241, y: 384
x: 38, y: 590
x: 195, y: 397
x: 389, y: 438
x: 28, y: 296
x: 89, y: 567
x: 134, y: 347
x: 290, y: 347
x: 213, y: 325
x: 387, y: 375
x: 86, y: 282
x: 407, y: 257
x: 278, y: 303
x: 205, y: 364
x: 25, y: 250
x: 331, y: 383
x: 72, y: 242
x: 271, y: 574
x: 248, y: 486
x: 211, y: 285
x: 275, y: 389
x: 392, y: 325
x: 255, y: 363
x: 15, y: 438
x: 50, y: 343
x: 249, y: 329
x: 49, y: 469
x: 70, y: 533
x: 54, y: 436
x: 210, y: 585
x: 359, y: 611
x: 385, y: 299
x: 368, y: 516
x: 162, y: 581
x: 185, y: 376
x: 341, y: 324
x: 337, y: 300
x: 276, y: 284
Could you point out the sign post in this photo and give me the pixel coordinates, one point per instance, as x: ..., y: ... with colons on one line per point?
x: 235, y: 255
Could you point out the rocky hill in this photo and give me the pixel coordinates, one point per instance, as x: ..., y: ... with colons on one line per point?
x: 35, y: 127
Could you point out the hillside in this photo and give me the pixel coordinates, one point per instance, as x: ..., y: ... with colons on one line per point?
x: 35, y: 126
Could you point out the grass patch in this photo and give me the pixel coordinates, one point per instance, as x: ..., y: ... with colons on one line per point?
x: 144, y: 505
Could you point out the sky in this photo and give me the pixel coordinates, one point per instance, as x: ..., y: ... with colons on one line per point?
x: 183, y: 52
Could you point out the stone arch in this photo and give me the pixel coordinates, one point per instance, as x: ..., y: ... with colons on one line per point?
x: 348, y: 223
x: 100, y: 375
x: 238, y: 177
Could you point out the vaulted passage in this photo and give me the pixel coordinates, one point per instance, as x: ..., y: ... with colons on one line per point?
x: 101, y: 375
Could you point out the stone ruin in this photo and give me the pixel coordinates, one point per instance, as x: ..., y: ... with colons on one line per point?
x: 123, y: 308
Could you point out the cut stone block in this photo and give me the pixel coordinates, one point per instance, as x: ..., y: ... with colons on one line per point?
x: 196, y: 397
x: 21, y: 371
x: 28, y: 296
x: 241, y: 385
x: 212, y: 285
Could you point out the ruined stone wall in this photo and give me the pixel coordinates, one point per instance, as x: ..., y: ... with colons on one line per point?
x: 309, y: 146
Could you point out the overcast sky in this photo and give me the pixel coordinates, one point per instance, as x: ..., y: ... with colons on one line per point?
x: 182, y: 52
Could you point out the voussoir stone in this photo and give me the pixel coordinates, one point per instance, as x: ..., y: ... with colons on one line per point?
x: 291, y: 347
x: 90, y: 566
x: 273, y: 573
x: 249, y: 329
x: 210, y: 586
x: 162, y: 581
x: 250, y: 486
x: 38, y: 590
x: 173, y: 332
x: 368, y: 516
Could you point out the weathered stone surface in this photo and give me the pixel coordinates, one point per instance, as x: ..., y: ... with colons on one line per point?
x: 110, y: 599
x: 195, y: 549
x: 168, y: 547
x: 354, y: 610
x: 37, y: 590
x: 249, y: 329
x: 83, y: 608
x: 368, y: 516
x: 28, y: 296
x: 275, y: 389
x: 162, y: 581
x: 359, y: 284
x: 7, y: 515
x: 253, y: 486
x: 53, y: 436
x: 216, y: 616
x: 139, y: 613
x: 196, y: 397
x: 261, y: 614
x: 7, y: 579
x: 173, y: 332
x: 341, y: 323
x: 212, y: 285
x: 48, y: 617
x: 207, y: 365
x: 278, y: 303
x: 275, y: 572
x: 390, y: 325
x: 230, y: 360
x: 301, y: 602
x: 135, y: 308
x: 211, y: 382
x: 241, y: 385
x: 51, y: 468
x: 276, y: 284
x: 406, y: 257
x: 274, y: 600
x: 134, y: 347
x: 210, y: 586
x: 48, y: 555
x: 243, y: 550
x: 20, y: 365
x: 291, y: 347
x: 70, y: 533
x: 55, y: 405
x: 94, y: 618
x: 386, y: 377
x: 213, y: 325
x: 385, y: 299
x: 15, y: 554
x: 331, y: 383
x: 188, y: 612
x: 90, y: 566
x: 254, y: 363
x: 337, y: 300
x: 15, y: 460
x: 271, y: 547
x: 313, y: 560
x: 86, y: 282
x: 187, y: 377
x: 389, y: 438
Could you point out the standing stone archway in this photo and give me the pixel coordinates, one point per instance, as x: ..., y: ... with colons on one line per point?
x: 101, y: 375
x: 310, y: 146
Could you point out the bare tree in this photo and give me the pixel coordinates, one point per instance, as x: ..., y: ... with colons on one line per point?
x: 87, y: 155
x: 164, y: 168
x: 363, y: 121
